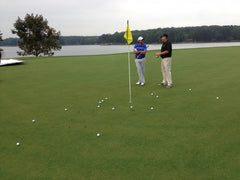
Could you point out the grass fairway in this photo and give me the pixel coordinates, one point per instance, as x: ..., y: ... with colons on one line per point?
x: 188, y: 135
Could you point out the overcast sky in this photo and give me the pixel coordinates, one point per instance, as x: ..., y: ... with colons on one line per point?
x: 96, y: 17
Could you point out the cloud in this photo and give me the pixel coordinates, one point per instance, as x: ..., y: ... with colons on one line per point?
x: 95, y: 17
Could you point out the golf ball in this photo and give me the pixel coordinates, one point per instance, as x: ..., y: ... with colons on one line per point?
x: 217, y: 97
x: 102, y: 100
x: 33, y: 120
x: 98, y: 134
x: 131, y: 107
x: 113, y: 108
x: 151, y: 94
x: 17, y: 144
x: 151, y: 108
x: 106, y: 98
x: 157, y: 96
x: 98, y: 106
x: 190, y: 89
x: 66, y: 109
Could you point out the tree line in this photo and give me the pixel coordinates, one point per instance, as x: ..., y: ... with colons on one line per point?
x: 152, y: 36
x: 179, y: 35
x: 0, y: 36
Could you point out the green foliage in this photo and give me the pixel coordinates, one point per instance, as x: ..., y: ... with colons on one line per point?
x: 9, y: 42
x: 78, y: 40
x: 190, y: 135
x: 36, y: 37
x: 177, y: 35
x: 0, y: 42
x: 0, y: 36
x: 152, y: 36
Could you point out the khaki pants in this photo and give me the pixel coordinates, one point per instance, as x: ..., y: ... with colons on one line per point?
x: 140, y: 64
x: 166, y: 70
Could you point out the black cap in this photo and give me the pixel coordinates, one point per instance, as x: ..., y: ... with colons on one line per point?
x: 164, y: 35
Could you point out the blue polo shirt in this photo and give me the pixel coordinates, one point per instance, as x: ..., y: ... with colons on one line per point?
x: 139, y: 47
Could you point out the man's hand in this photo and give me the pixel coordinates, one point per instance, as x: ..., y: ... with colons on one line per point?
x: 161, y: 53
x: 158, y: 54
x: 136, y: 51
x: 143, y: 52
x: 139, y: 52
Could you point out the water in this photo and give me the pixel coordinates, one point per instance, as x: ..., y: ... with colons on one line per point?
x: 10, y: 52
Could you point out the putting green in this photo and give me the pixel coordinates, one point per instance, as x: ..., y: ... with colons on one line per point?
x: 189, y: 134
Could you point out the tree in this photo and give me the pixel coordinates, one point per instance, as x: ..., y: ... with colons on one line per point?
x: 0, y: 36
x: 35, y: 36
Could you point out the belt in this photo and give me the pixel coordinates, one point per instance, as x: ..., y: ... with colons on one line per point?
x: 140, y: 58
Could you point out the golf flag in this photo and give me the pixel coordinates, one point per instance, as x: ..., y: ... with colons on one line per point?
x: 128, y: 34
x: 129, y: 39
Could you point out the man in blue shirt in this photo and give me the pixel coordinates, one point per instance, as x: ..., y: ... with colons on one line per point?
x: 140, y: 50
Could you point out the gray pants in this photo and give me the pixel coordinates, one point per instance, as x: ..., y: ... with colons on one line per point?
x: 166, y: 71
x: 140, y: 64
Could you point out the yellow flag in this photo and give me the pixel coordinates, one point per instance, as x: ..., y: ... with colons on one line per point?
x: 128, y: 34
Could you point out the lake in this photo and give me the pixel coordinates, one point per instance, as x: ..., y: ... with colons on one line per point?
x: 10, y: 52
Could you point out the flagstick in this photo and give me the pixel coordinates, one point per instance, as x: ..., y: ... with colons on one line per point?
x: 128, y: 32
x: 129, y: 72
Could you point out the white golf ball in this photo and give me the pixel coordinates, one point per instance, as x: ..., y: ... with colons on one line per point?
x: 151, y: 108
x: 190, y: 89
x: 217, y: 97
x: 102, y: 100
x: 33, y: 120
x: 157, y: 96
x: 98, y: 134
x: 106, y: 98
x: 113, y: 108
x: 98, y: 106
x: 17, y: 144
x: 66, y: 109
x: 151, y: 94
x: 131, y: 107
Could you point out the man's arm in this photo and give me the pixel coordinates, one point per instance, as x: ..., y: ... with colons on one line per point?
x: 164, y: 52
x: 135, y: 51
x: 161, y: 53
x: 143, y: 52
x: 139, y: 52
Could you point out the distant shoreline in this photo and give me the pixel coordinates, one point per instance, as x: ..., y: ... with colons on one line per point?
x: 78, y: 50
x: 194, y: 34
x: 216, y: 42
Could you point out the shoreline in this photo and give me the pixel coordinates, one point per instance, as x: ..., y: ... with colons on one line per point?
x: 83, y: 50
x: 146, y: 43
